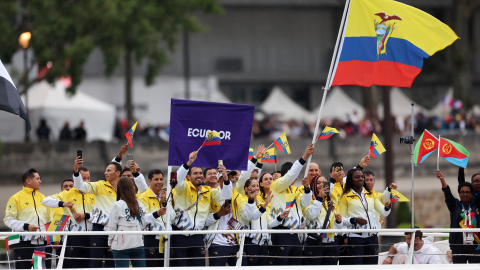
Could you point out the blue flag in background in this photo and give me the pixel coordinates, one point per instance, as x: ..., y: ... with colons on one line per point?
x: 190, y: 122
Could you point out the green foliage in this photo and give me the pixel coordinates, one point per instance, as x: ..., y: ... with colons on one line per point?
x: 61, y: 34
x: 147, y: 29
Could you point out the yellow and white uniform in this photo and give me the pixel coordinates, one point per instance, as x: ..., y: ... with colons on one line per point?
x: 24, y: 208
x: 257, y: 220
x: 105, y: 197
x: 82, y: 203
x: 281, y: 190
x: 384, y: 197
x: 315, y: 215
x: 364, y: 205
x: 191, y: 206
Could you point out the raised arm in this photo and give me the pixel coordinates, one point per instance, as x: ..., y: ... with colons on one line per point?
x: 78, y: 180
x: 123, y: 151
x: 285, y: 181
x: 380, y: 208
x: 183, y: 171
x: 139, y: 179
x: 244, y: 175
x: 449, y: 199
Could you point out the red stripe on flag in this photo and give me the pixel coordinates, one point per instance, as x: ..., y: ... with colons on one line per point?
x: 6, y: 243
x: 364, y: 73
x: 129, y: 139
x: 279, y: 146
x: 208, y: 143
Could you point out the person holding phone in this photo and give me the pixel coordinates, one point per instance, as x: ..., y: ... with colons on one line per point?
x: 155, y: 202
x: 192, y: 207
x: 78, y: 206
x: 105, y: 192
x: 357, y: 206
x: 321, y: 244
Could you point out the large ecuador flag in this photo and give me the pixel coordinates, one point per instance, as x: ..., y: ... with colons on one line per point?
x: 376, y: 147
x: 10, y: 100
x: 425, y: 146
x: 384, y: 43
x: 453, y: 152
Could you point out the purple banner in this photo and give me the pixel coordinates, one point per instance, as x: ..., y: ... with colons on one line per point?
x: 191, y: 120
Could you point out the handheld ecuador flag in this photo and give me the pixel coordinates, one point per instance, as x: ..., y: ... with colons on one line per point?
x: 396, y: 196
x: 270, y: 156
x: 453, y: 152
x: 49, y: 237
x: 250, y: 153
x: 58, y: 223
x: 282, y: 144
x: 384, y: 42
x: 327, y: 133
x: 212, y: 138
x: 376, y: 147
x: 12, y: 240
x: 130, y: 133
x: 38, y: 259
x: 427, y: 143
x: 290, y: 198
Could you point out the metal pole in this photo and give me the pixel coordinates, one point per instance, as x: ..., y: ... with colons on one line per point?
x: 25, y: 60
x: 327, y: 84
x: 413, y: 169
x: 242, y: 244
x: 166, y: 250
x: 62, y: 253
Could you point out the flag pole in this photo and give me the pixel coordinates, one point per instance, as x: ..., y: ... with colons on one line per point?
x: 438, y: 154
x: 199, y: 148
x: 166, y: 248
x: 329, y: 77
x: 270, y: 145
x: 8, y: 258
x: 413, y: 169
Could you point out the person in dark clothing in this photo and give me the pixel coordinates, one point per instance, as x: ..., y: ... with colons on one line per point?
x: 80, y: 133
x: 65, y: 133
x: 43, y: 131
x: 460, y: 242
x: 475, y: 181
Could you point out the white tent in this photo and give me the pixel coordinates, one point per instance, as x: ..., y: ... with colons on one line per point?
x: 339, y: 104
x: 401, y: 105
x: 56, y: 107
x: 279, y: 103
x: 152, y: 103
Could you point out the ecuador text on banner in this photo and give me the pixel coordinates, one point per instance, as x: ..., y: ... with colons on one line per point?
x: 190, y: 122
x: 384, y: 43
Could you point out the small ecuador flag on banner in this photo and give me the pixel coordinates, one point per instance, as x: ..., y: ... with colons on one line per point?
x: 270, y: 156
x: 290, y: 198
x: 453, y: 152
x: 250, y: 153
x: 282, y: 144
x: 327, y: 133
x: 384, y: 42
x: 12, y: 240
x: 38, y: 259
x: 130, y: 133
x: 427, y: 143
x: 212, y: 138
x: 396, y: 196
x: 376, y: 147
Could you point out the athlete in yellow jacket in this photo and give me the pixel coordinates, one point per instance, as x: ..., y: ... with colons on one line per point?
x: 25, y: 212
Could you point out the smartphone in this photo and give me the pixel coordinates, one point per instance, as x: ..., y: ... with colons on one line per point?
x: 326, y: 184
x: 220, y: 162
x: 227, y: 203
x: 79, y: 153
x: 129, y: 160
x: 173, y: 179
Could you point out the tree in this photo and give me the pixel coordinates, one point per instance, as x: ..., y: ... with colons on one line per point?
x: 146, y: 30
x: 60, y: 35
x: 463, y: 49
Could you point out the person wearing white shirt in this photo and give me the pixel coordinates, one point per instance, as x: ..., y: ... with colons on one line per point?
x: 423, y: 253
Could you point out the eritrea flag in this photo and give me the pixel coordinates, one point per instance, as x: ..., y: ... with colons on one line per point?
x: 453, y: 152
x: 424, y: 147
